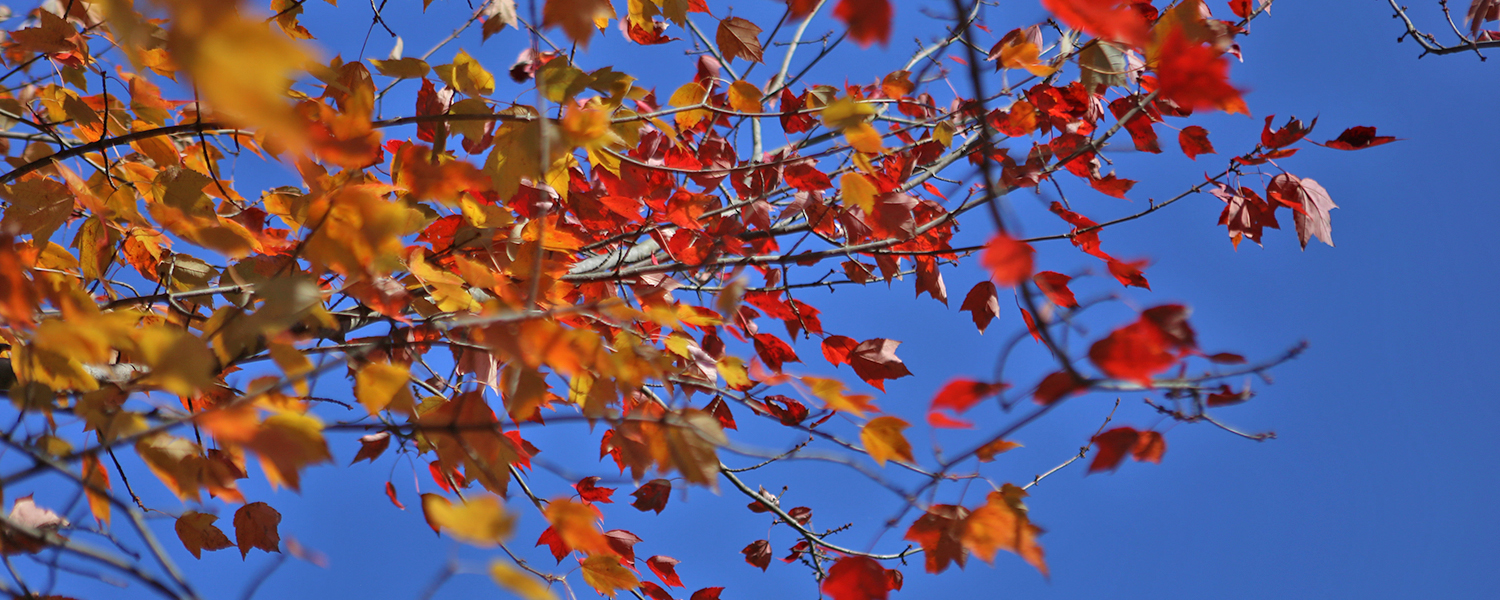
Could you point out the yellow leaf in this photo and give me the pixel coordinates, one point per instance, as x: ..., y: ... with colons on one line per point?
x: 480, y: 521
x: 884, y: 441
x: 37, y: 207
x: 588, y: 128
x: 858, y: 191
x: 943, y: 133
x: 403, y: 68
x: 523, y: 584
x: 745, y: 97
x: 1024, y: 56
x: 690, y: 94
x: 380, y: 385
x: 605, y: 575
x: 846, y: 112
x: 198, y: 533
x: 467, y: 76
x: 293, y: 364
x: 831, y: 392
x: 180, y: 362
x: 578, y: 18
x: 177, y: 462
x: 865, y: 138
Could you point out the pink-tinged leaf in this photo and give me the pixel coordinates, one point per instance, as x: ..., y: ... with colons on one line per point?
x: 1310, y: 203
x: 758, y: 554
x: 874, y: 360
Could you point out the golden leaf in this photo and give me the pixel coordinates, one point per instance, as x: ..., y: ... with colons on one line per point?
x: 574, y: 523
x: 604, y: 574
x: 480, y: 521
x: 884, y: 441
x: 523, y: 584
x: 745, y: 97
x: 381, y: 385
x: 858, y: 191
x: 466, y: 75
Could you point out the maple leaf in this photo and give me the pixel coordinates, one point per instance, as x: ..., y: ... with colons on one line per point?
x: 24, y: 512
x: 960, y: 394
x: 739, y: 38
x: 883, y: 440
x: 1003, y: 524
x: 1358, y: 138
x: 1108, y: 19
x: 1008, y: 260
x: 1195, y: 76
x: 874, y: 360
x: 1056, y: 386
x: 479, y: 520
x: 371, y: 446
x: 1055, y: 286
x: 940, y: 533
x: 1310, y: 203
x: 578, y: 18
x: 574, y: 524
x: 758, y: 554
x: 606, y: 576
x: 589, y: 493
x: 655, y: 592
x: 774, y: 351
x: 982, y: 303
x: 255, y: 527
x: 856, y: 578
x: 1194, y: 141
x: 665, y: 568
x: 516, y: 580
x: 198, y: 533
x: 623, y: 543
x: 652, y: 496
x: 869, y: 21
x: 1114, y: 445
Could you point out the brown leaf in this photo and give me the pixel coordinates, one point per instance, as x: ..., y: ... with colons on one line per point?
x: 874, y: 360
x: 940, y: 533
x: 739, y: 38
x: 255, y: 527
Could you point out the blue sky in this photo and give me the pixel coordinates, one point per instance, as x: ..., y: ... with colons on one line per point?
x: 1379, y: 484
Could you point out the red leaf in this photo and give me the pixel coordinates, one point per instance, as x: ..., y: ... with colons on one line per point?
x: 652, y: 496
x: 655, y: 592
x: 874, y: 360
x: 390, y: 492
x: 708, y: 593
x: 1112, y: 186
x: 774, y: 351
x: 1056, y: 386
x: 1113, y: 445
x: 758, y: 554
x: 1106, y: 19
x: 836, y: 349
x: 1031, y: 325
x: 941, y: 420
x: 1055, y: 286
x: 1194, y: 141
x: 665, y: 568
x: 869, y: 20
x: 1146, y: 347
x: 1195, y: 76
x: 1139, y: 126
x: 1008, y: 260
x: 856, y: 578
x: 793, y: 413
x: 1226, y: 358
x: 1358, y: 138
x: 959, y: 395
x: 806, y: 176
x: 982, y: 304
x: 1226, y: 396
x: 720, y: 410
x: 1289, y: 134
x: 589, y: 493
x: 554, y: 543
x: 1245, y: 213
x: 1129, y: 273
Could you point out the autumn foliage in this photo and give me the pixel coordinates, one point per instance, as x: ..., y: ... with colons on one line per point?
x: 210, y: 220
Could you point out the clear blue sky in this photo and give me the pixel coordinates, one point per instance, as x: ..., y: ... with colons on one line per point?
x: 1381, y: 481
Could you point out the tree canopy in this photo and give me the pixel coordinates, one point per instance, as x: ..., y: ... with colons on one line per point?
x: 236, y: 245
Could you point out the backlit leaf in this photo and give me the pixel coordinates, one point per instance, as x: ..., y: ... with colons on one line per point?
x: 882, y: 438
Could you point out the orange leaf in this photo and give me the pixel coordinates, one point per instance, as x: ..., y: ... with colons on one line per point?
x: 578, y: 18
x: 574, y: 524
x: 605, y: 575
x: 198, y: 533
x: 940, y: 532
x: 1002, y: 524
